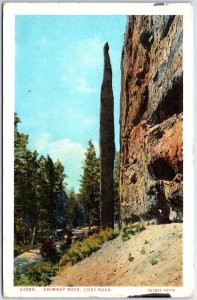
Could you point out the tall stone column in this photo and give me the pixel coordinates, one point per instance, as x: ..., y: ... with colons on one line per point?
x: 107, y: 146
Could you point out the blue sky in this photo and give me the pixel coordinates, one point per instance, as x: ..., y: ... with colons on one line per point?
x: 59, y: 72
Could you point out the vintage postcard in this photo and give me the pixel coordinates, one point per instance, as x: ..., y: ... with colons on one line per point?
x: 97, y: 140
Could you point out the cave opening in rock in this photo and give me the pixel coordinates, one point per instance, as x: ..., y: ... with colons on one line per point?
x: 147, y: 39
x: 161, y: 169
x: 172, y: 102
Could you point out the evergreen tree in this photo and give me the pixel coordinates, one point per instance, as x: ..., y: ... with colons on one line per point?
x: 76, y: 213
x: 61, y: 209
x: 89, y: 193
x: 51, y: 191
x: 61, y: 205
x: 20, y: 152
x: 55, y: 196
x: 44, y: 208
x: 60, y: 176
x: 31, y: 191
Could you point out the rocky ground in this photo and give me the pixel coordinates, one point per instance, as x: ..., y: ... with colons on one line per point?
x: 110, y: 266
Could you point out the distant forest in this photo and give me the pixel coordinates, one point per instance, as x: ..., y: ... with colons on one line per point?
x: 42, y: 203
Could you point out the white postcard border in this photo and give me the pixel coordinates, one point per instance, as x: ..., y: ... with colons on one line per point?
x: 10, y: 11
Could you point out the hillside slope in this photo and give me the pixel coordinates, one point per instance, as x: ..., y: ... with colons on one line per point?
x: 110, y: 265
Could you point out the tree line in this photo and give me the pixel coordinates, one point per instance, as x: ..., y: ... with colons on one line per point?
x: 39, y: 196
x: 41, y: 203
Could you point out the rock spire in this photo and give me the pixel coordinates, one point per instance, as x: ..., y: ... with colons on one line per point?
x: 107, y: 146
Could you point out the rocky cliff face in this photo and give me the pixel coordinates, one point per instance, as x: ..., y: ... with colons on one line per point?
x: 151, y: 179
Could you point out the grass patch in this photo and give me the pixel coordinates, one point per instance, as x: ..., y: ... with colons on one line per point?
x: 132, y: 229
x: 80, y: 250
x: 153, y: 260
x: 38, y: 274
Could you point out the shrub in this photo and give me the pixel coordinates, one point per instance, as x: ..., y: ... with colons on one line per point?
x: 48, y: 250
x: 153, y: 260
x: 143, y: 251
x: 85, y: 249
x: 125, y: 237
x: 74, y: 254
x: 94, y: 243
x: 110, y: 234
x: 17, y: 251
x: 132, y: 229
x: 36, y: 274
x: 130, y: 258
x: 16, y: 276
x: 139, y: 227
x: 24, y: 280
x: 64, y: 246
x: 146, y: 242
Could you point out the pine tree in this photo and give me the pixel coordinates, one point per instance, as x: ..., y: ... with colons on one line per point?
x: 53, y: 198
x: 61, y: 203
x: 43, y: 209
x: 51, y: 180
x: 20, y: 152
x: 76, y: 213
x: 31, y: 190
x: 89, y: 193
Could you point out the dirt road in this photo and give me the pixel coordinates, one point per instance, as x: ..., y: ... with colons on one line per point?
x: 26, y: 259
